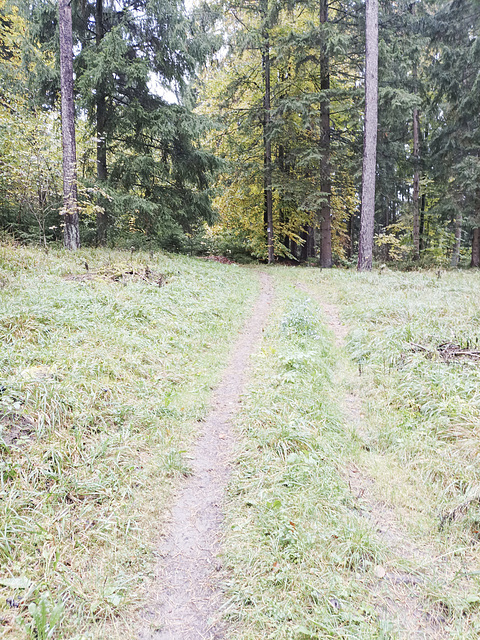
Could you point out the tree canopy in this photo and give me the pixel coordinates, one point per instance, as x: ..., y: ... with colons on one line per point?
x: 237, y: 127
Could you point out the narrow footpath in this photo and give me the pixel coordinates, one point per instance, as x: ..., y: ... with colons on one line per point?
x: 186, y: 599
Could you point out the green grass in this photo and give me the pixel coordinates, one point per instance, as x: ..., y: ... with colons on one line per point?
x: 103, y: 383
x: 103, y: 380
x: 300, y: 544
x: 420, y: 432
x: 301, y: 556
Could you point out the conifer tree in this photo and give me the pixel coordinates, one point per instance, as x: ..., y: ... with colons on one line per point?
x: 325, y: 214
x: 402, y: 91
x: 365, y: 249
x: 71, y: 233
x: 266, y: 123
x: 151, y: 173
x: 455, y: 135
x: 303, y: 149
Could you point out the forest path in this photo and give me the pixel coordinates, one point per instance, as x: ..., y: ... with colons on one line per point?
x: 397, y: 593
x: 185, y: 599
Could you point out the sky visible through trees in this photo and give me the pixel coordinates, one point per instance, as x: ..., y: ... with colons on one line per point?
x: 260, y: 153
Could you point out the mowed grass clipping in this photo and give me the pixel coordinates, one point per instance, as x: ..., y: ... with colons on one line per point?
x: 103, y: 376
x: 301, y: 556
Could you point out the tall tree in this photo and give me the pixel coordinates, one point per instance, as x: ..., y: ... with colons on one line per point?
x: 367, y: 219
x: 310, y: 165
x: 455, y: 130
x: 267, y: 142
x: 416, y: 168
x: 151, y: 176
x: 71, y: 232
x: 101, y: 127
x: 325, y: 213
x: 416, y: 184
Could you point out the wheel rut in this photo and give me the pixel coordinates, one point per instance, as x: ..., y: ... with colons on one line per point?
x: 397, y: 594
x: 185, y: 600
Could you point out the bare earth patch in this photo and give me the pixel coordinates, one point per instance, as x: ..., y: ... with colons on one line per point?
x: 186, y: 598
x: 398, y: 595
x: 15, y: 428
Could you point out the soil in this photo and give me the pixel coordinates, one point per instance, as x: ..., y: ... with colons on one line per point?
x: 185, y: 600
x: 15, y: 429
x: 397, y: 595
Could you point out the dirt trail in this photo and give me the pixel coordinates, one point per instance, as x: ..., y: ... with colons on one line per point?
x: 186, y: 599
x: 398, y: 595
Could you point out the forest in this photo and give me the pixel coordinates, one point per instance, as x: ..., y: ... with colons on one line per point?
x: 198, y: 441
x: 239, y: 128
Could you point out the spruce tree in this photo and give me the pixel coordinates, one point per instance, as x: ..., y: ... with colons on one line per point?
x: 365, y: 248
x: 325, y: 213
x: 312, y: 124
x: 151, y: 175
x: 455, y: 135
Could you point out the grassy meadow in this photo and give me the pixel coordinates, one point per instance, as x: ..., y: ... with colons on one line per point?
x: 104, y: 376
x: 311, y: 556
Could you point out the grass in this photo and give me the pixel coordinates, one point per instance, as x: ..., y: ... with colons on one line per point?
x: 102, y: 383
x: 304, y: 550
x: 103, y: 377
x: 301, y: 556
x: 420, y: 432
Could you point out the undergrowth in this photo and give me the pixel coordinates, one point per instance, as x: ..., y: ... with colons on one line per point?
x: 102, y: 381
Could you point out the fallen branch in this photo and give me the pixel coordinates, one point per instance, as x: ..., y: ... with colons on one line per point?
x: 448, y: 350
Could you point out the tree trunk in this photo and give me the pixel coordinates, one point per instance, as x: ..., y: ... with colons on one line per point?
x: 422, y: 223
x: 458, y: 237
x: 283, y: 212
x: 304, y: 247
x: 416, y: 185
x: 350, y: 228
x: 101, y: 104
x: 367, y: 218
x: 475, y: 262
x: 416, y: 167
x: 71, y: 232
x: 311, y: 242
x: 294, y: 248
x: 267, y: 143
x: 326, y: 187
